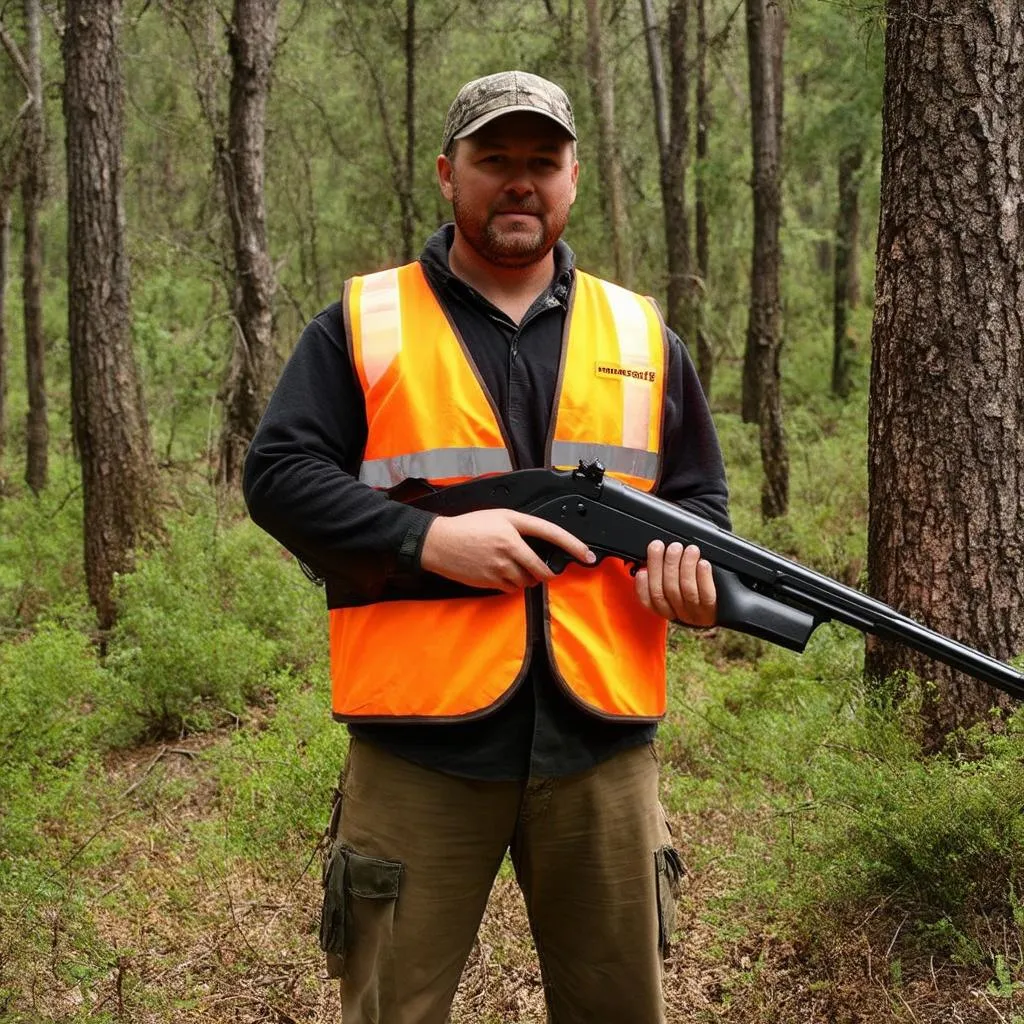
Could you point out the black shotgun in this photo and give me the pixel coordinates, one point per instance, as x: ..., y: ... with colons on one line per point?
x: 759, y: 592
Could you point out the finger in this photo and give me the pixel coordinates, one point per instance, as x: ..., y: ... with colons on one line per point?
x: 688, y: 578
x: 534, y: 526
x: 643, y: 589
x: 656, y: 579
x: 706, y: 584
x: 515, y: 578
x: 673, y: 578
x: 531, y: 564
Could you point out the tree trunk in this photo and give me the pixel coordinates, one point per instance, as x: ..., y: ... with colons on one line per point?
x: 764, y: 48
x: 762, y: 393
x: 946, y: 425
x: 408, y: 189
x: 845, y: 268
x: 5, y: 242
x: 705, y: 355
x: 671, y: 115
x: 673, y: 175
x: 33, y: 188
x: 609, y: 161
x: 251, y: 43
x: 108, y: 414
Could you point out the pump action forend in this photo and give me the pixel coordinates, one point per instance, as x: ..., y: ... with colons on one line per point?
x: 759, y: 592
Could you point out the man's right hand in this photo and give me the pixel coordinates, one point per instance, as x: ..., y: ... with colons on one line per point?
x: 486, y: 549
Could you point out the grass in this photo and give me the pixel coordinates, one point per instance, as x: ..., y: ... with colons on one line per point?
x: 161, y: 808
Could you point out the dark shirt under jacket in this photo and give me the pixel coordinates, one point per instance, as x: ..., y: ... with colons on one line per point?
x: 300, y: 485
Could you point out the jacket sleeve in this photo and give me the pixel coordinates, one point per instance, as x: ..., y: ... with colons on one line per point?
x: 300, y: 482
x: 693, y: 473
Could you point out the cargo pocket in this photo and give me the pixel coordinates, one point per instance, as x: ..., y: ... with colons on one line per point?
x: 668, y: 872
x: 359, y: 892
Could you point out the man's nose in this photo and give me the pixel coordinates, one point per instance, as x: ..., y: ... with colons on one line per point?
x: 519, y: 188
x: 519, y: 182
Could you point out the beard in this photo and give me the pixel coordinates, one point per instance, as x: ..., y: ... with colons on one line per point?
x: 505, y: 242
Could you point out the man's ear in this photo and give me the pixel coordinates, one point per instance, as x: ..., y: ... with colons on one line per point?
x: 575, y: 178
x: 444, y: 176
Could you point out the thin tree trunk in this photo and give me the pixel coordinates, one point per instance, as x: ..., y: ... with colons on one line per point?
x: 762, y: 393
x: 5, y: 243
x: 671, y: 118
x: 408, y: 184
x: 705, y: 355
x: 108, y: 413
x: 677, y: 218
x: 251, y: 42
x: 656, y: 68
x: 609, y: 161
x: 33, y: 188
x: 847, y: 229
x: 946, y: 425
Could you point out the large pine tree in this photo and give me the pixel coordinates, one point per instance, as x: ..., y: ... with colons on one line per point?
x: 947, y: 384
x: 108, y: 414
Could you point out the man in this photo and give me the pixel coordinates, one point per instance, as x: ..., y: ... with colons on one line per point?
x: 520, y: 722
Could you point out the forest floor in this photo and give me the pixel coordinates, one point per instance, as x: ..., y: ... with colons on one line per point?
x: 178, y: 930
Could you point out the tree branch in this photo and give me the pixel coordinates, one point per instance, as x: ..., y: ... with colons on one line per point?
x: 15, y: 54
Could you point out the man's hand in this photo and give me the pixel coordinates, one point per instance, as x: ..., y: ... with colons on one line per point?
x: 678, y: 584
x: 486, y: 549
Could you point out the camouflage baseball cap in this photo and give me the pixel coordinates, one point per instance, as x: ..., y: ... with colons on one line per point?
x: 484, y: 99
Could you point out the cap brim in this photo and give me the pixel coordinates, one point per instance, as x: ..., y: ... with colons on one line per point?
x: 478, y: 123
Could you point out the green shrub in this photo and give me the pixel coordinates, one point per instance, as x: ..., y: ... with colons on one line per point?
x: 206, y: 622
x: 58, y: 707
x: 276, y: 784
x: 41, y: 552
x: 939, y: 838
x: 55, y: 697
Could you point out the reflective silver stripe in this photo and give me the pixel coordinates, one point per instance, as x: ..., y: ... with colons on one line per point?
x: 380, y: 315
x: 631, y: 461
x: 437, y: 464
x: 631, y: 333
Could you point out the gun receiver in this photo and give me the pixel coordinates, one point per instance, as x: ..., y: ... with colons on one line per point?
x: 759, y: 592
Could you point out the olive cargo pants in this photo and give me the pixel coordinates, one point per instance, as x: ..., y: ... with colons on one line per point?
x: 415, y: 857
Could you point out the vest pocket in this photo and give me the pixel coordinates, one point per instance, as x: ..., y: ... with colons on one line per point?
x: 668, y: 873
x: 350, y: 879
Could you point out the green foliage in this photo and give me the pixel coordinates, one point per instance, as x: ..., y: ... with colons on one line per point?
x: 52, y: 687
x: 941, y: 838
x: 58, y: 704
x: 41, y: 554
x: 276, y: 784
x: 850, y: 813
x: 206, y: 622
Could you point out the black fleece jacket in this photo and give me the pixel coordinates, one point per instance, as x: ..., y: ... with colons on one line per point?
x: 301, y: 486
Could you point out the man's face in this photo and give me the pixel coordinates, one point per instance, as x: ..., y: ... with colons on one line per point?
x: 511, y: 185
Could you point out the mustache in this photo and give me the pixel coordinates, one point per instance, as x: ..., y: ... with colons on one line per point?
x: 529, y: 206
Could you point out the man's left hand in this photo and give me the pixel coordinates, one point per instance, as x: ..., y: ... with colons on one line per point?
x: 678, y: 584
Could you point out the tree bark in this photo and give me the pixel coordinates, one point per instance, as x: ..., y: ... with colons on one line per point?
x: 946, y: 424
x: 33, y: 189
x: 677, y: 219
x: 408, y: 189
x: 671, y: 106
x: 609, y: 161
x: 762, y: 393
x: 705, y: 354
x: 5, y: 242
x: 108, y: 414
x: 845, y: 266
x: 240, y: 157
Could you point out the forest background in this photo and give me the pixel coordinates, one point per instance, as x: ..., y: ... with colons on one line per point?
x: 166, y: 772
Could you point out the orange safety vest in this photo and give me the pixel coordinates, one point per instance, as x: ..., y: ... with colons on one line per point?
x: 429, y: 416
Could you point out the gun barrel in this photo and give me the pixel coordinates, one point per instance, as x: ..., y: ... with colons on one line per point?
x: 778, y: 578
x: 760, y: 592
